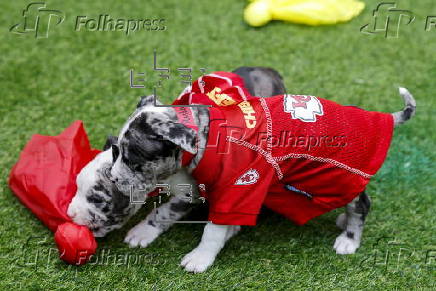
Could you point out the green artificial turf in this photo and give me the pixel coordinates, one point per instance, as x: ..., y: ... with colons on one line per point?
x: 47, y: 83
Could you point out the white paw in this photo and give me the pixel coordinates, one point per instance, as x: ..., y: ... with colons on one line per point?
x: 198, y: 260
x: 141, y: 235
x: 345, y: 245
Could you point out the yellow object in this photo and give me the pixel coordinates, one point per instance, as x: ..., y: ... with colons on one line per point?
x: 310, y: 12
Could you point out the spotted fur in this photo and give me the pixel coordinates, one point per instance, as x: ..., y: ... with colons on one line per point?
x: 151, y: 143
x: 98, y: 203
x: 352, y: 222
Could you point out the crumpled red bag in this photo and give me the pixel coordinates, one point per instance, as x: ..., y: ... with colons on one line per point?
x: 44, y: 180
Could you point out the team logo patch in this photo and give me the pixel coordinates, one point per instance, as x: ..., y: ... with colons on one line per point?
x: 303, y: 107
x: 248, y: 178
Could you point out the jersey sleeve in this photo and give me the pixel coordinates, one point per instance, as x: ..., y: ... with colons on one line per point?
x: 240, y: 202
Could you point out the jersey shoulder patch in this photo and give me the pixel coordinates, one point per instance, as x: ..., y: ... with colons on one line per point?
x: 248, y: 178
x: 303, y: 107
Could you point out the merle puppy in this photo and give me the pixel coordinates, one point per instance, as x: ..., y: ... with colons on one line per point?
x: 150, y: 148
x: 103, y: 207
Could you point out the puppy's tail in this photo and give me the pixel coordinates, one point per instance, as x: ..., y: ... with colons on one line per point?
x: 409, y: 110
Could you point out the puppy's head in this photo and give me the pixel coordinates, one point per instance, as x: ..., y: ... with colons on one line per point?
x: 150, y: 146
x: 98, y: 203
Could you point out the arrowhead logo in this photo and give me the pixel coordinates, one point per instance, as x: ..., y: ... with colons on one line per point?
x: 248, y: 178
x: 303, y: 107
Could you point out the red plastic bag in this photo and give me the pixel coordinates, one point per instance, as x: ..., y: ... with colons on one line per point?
x: 44, y: 179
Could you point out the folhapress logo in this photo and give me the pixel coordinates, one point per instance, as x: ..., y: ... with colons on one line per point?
x: 104, y: 22
x: 387, y: 19
x: 37, y: 20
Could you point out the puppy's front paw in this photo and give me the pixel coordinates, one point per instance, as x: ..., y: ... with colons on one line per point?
x: 345, y: 245
x: 141, y: 235
x: 198, y: 260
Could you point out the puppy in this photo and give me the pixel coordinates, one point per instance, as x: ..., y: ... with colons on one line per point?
x: 98, y: 203
x: 153, y: 142
x: 103, y: 207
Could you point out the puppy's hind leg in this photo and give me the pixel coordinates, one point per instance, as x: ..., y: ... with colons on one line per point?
x: 352, y: 222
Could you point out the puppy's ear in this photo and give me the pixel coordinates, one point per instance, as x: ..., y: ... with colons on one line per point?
x: 148, y: 101
x: 110, y: 141
x: 178, y: 134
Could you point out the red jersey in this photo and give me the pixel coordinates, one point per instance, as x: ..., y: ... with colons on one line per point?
x: 215, y: 89
x: 300, y: 156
